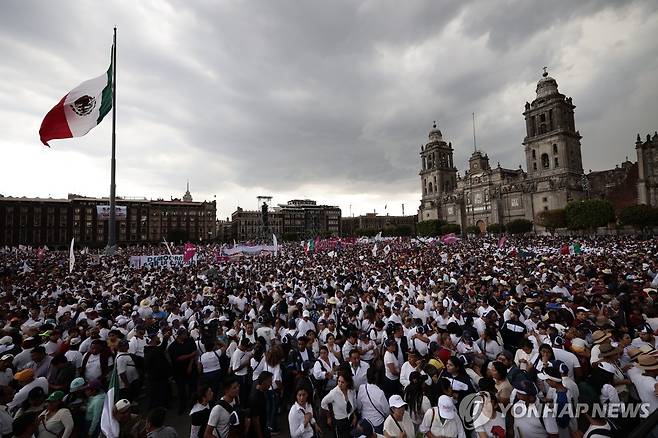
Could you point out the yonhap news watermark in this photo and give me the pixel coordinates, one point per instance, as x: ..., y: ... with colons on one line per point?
x: 477, y: 409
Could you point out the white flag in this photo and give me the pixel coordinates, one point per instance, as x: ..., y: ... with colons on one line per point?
x: 374, y: 250
x: 387, y: 249
x: 167, y: 245
x: 71, y: 256
x: 26, y: 268
x: 331, y: 254
x: 378, y: 237
x: 276, y: 244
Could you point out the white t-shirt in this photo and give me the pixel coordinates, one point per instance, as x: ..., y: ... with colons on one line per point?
x: 570, y: 359
x: 125, y: 364
x: 237, y: 359
x: 438, y: 427
x: 530, y: 425
x: 494, y: 423
x: 93, y: 369
x: 219, y: 420
x: 210, y: 361
x: 407, y: 426
x: 390, y: 358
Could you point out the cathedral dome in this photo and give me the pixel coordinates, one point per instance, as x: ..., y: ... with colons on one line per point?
x: 546, y: 86
x: 435, y: 133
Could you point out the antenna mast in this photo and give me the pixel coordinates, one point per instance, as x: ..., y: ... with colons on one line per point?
x: 475, y: 145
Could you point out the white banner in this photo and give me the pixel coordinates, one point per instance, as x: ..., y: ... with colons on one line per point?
x: 103, y: 212
x: 249, y: 249
x: 159, y: 261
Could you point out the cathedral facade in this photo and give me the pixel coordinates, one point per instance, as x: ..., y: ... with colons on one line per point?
x: 486, y: 195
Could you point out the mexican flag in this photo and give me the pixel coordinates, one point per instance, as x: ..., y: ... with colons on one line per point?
x: 109, y: 424
x: 80, y: 110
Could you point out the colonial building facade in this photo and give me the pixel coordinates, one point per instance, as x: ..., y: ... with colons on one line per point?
x: 486, y: 195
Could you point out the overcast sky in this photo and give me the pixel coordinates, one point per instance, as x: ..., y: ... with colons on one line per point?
x: 328, y: 100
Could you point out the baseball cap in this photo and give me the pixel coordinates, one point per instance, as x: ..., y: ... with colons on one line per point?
x: 77, y: 384
x: 122, y: 405
x: 56, y: 396
x: 395, y: 401
x: 447, y: 407
x: 306, y: 314
x: 7, y: 357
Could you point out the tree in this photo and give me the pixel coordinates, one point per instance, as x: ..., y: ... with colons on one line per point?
x: 495, y: 228
x: 429, y: 228
x: 589, y: 214
x: 397, y: 231
x: 552, y: 219
x: 450, y: 228
x: 519, y: 226
x: 473, y: 229
x: 365, y: 233
x: 639, y: 217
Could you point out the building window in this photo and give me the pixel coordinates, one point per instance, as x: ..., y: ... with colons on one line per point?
x: 544, y: 199
x: 429, y: 189
x: 545, y: 208
x: 545, y: 162
x: 534, y: 154
x: 557, y: 164
x: 554, y: 148
x: 534, y: 166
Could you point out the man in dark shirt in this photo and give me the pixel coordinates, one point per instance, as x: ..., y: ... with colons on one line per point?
x: 183, y: 355
x: 62, y: 373
x: 258, y: 406
x: 158, y: 371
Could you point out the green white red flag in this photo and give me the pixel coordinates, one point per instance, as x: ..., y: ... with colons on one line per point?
x: 80, y: 110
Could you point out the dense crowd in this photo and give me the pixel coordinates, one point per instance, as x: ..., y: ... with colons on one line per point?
x: 528, y: 337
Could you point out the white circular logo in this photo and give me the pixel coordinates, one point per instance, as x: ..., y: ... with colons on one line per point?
x: 475, y: 410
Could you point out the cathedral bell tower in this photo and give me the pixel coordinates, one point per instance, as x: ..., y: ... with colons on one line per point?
x: 552, y: 144
x: 438, y: 175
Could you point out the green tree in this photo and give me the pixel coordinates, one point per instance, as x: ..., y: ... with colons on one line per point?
x: 519, y: 226
x: 589, y: 214
x: 429, y: 228
x: 496, y: 228
x: 450, y: 228
x: 473, y: 229
x: 552, y: 219
x: 397, y: 231
x: 641, y: 217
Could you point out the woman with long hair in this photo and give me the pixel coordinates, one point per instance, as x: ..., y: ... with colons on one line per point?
x: 459, y: 380
x: 417, y: 402
x: 340, y: 406
x: 301, y: 418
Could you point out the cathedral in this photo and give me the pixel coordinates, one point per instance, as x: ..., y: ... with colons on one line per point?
x: 486, y: 195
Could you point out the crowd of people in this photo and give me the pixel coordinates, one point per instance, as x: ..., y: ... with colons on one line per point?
x: 394, y: 338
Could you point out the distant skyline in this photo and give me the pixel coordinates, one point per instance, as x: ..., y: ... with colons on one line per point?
x: 327, y: 101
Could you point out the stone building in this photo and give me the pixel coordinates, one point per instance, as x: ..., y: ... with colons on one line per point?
x: 54, y: 222
x: 297, y: 219
x: 647, y: 160
x: 486, y: 195
x: 373, y: 222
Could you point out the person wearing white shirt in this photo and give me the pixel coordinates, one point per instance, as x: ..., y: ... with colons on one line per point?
x: 324, y: 369
x: 359, y: 369
x: 342, y: 402
x: 442, y: 420
x: 305, y: 324
x: 398, y: 424
x: 300, y: 417
x: 138, y: 342
x: 408, y: 367
x: 643, y: 376
x: 391, y: 368
x: 371, y: 402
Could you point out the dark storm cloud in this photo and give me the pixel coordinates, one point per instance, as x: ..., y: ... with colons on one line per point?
x: 240, y: 95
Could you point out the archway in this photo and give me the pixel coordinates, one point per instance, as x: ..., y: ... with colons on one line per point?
x: 482, y: 226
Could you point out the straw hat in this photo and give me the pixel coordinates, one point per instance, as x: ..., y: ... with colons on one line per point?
x: 607, y: 350
x: 648, y: 362
x: 599, y: 336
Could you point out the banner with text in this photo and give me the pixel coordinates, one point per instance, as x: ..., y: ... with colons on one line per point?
x: 159, y: 261
x: 103, y: 212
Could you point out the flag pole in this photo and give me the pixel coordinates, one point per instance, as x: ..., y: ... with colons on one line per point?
x: 112, y: 238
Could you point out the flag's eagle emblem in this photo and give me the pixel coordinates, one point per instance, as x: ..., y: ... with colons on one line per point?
x: 83, y: 105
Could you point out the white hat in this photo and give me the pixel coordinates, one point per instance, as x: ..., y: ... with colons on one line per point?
x: 447, y: 407
x: 231, y: 333
x: 607, y: 367
x: 74, y: 341
x: 122, y: 404
x: 395, y: 401
x: 6, y: 340
x: 306, y: 314
x: 7, y: 357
